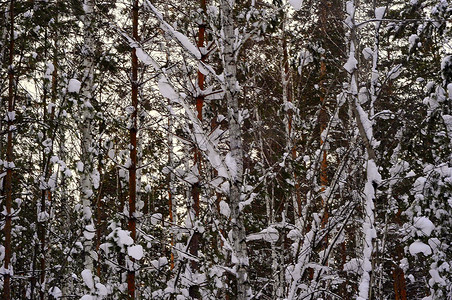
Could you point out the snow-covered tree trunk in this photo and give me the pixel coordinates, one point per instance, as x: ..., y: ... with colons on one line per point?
x: 8, y: 187
x: 88, y: 175
x: 231, y: 88
x: 365, y: 129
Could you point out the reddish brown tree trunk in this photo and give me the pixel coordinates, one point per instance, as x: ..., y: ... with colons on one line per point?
x: 194, y: 246
x: 323, y: 117
x: 323, y: 126
x: 399, y: 284
x: 398, y: 274
x: 133, y: 152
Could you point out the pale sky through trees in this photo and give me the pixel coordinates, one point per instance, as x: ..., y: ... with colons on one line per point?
x: 222, y: 149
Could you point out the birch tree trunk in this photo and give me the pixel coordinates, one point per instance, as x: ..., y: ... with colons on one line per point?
x: 373, y: 177
x: 8, y: 188
x: 87, y: 115
x: 231, y: 87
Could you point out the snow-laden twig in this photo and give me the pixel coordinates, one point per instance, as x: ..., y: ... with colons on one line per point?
x: 183, y: 41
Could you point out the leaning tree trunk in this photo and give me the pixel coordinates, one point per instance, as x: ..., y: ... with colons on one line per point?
x: 373, y: 177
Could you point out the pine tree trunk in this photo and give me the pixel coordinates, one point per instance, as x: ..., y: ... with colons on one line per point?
x: 323, y: 120
x: 133, y: 153
x: 397, y: 273
x: 196, y: 189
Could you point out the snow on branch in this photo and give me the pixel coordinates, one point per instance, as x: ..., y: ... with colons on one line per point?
x: 182, y: 40
x: 200, y: 138
x: 296, y: 4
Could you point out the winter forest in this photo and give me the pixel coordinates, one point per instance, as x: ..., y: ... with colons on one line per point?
x: 222, y: 149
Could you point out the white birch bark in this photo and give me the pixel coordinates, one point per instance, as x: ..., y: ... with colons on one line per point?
x: 366, y: 132
x: 86, y: 119
x: 231, y: 87
x: 379, y: 13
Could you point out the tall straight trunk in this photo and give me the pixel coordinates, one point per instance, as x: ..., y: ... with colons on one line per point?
x: 45, y: 205
x: 398, y: 274
x: 100, y: 215
x: 172, y: 203
x: 87, y: 115
x: 196, y: 189
x: 289, y: 120
x: 171, y: 199
x: 240, y: 256
x: 295, y: 195
x: 133, y: 152
x: 323, y: 118
x: 45, y: 191
x: 9, y: 159
x: 201, y: 77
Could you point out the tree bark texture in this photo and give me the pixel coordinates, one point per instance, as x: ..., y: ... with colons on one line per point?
x: 196, y: 188
x: 133, y: 152
x: 9, y: 158
x: 87, y: 115
x: 231, y: 88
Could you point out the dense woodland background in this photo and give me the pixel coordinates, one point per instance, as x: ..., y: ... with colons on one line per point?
x: 226, y: 149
